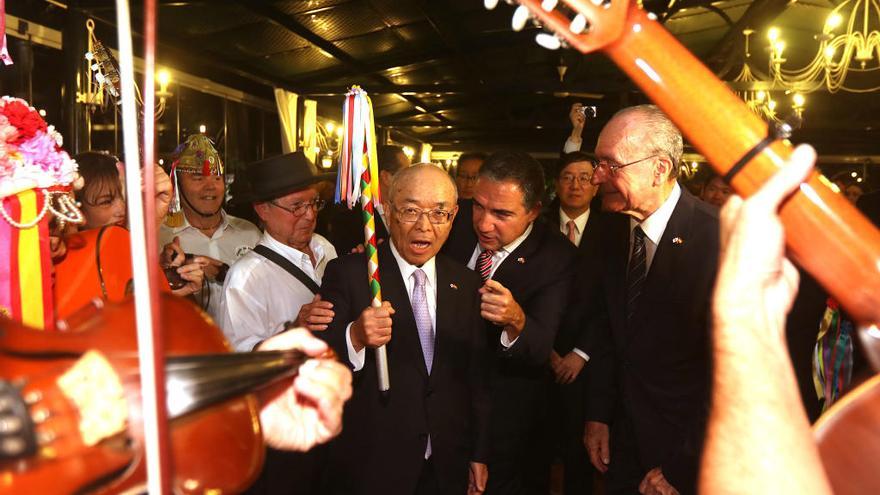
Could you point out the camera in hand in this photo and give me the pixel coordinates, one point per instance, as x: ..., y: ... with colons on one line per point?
x: 175, y: 280
x: 588, y: 111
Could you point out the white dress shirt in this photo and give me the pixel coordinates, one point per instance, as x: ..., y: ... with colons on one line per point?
x: 260, y: 296
x: 580, y: 223
x: 571, y: 146
x: 406, y: 271
x: 654, y: 226
x: 232, y: 240
x: 497, y: 258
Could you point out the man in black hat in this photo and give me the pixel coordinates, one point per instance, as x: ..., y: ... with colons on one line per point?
x: 278, y: 281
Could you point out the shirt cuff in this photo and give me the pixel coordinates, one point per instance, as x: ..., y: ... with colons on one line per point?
x: 571, y: 146
x: 507, y: 342
x: 582, y: 354
x: 355, y: 358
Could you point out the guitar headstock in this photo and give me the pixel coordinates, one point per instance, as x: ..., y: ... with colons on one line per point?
x: 105, y: 68
x: 586, y: 25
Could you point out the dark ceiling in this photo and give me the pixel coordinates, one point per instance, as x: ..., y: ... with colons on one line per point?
x: 450, y: 73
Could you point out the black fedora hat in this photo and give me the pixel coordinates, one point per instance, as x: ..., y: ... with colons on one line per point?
x: 280, y: 175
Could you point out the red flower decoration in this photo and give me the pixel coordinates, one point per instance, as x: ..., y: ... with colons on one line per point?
x: 26, y: 120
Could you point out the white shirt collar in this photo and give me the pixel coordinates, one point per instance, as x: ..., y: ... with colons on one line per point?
x: 186, y: 225
x: 655, y: 224
x: 580, y: 222
x: 519, y: 240
x: 406, y: 269
x: 294, y: 255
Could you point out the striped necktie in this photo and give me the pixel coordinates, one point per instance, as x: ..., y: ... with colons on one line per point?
x: 635, y: 277
x: 484, y: 264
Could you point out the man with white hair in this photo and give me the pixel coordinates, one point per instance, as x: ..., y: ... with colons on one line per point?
x: 650, y: 379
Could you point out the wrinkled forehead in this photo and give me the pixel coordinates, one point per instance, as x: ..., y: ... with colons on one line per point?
x: 623, y: 135
x: 425, y: 187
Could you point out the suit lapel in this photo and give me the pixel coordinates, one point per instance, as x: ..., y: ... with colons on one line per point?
x: 404, y: 332
x: 669, y: 256
x: 514, y: 261
x: 447, y: 302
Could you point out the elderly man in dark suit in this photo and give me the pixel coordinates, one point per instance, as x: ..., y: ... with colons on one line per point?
x: 650, y: 365
x: 428, y: 434
x: 526, y: 266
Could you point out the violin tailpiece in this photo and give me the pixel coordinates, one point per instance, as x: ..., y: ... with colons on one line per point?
x: 93, y: 386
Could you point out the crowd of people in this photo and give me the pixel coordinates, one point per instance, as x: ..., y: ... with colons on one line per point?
x: 522, y: 332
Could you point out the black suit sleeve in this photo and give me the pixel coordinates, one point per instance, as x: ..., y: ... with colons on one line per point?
x: 336, y: 289
x: 544, y: 312
x: 479, y: 383
x: 598, y: 344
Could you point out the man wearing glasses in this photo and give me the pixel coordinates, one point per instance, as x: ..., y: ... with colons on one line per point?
x: 278, y: 281
x: 650, y: 359
x: 466, y: 173
x: 428, y: 434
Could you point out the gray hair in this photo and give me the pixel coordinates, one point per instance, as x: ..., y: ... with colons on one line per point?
x: 407, y: 173
x: 660, y: 134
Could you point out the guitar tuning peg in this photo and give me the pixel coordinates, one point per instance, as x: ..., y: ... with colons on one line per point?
x: 548, y: 41
x: 100, y: 78
x: 549, y: 5
x: 89, y: 56
x: 578, y: 24
x: 490, y: 4
x: 520, y: 17
x: 95, y: 67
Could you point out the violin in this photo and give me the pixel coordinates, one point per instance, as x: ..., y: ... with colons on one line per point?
x: 824, y: 233
x: 70, y: 418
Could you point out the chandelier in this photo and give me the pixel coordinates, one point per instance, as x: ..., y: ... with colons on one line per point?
x: 763, y: 97
x: 847, y: 56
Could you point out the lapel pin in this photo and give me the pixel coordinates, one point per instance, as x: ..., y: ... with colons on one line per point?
x: 453, y: 286
x: 677, y: 240
x: 521, y: 261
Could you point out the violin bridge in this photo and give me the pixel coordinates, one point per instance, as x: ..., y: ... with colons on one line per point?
x: 94, y: 388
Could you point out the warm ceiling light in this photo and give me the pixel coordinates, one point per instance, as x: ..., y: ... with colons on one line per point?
x: 798, y: 100
x: 330, y: 127
x: 854, y: 175
x: 202, y: 128
x: 833, y: 21
x: 409, y: 152
x: 163, y: 77
x: 773, y: 34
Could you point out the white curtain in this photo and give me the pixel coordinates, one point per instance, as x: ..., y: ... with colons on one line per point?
x: 286, y: 103
x: 425, y: 155
x: 310, y: 129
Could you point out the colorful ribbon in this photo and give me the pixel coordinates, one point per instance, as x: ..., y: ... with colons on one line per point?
x: 833, y: 355
x: 358, y: 182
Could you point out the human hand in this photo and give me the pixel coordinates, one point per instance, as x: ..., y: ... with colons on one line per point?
x: 172, y: 254
x: 498, y: 306
x: 576, y: 116
x: 373, y: 327
x: 569, y: 368
x: 655, y: 484
x: 315, y: 315
x: 478, y: 475
x: 194, y: 277
x: 163, y: 189
x: 307, y: 411
x: 752, y: 236
x: 598, y: 444
x: 555, y: 359
x: 212, y: 267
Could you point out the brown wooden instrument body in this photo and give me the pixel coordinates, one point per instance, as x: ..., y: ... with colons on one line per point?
x: 217, y: 450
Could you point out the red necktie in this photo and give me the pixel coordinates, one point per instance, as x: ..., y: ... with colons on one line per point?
x: 484, y: 264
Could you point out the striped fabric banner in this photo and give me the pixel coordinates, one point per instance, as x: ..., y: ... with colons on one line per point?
x: 26, y: 291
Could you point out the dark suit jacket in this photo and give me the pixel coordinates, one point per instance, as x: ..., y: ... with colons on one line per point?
x: 538, y: 273
x: 382, y: 446
x: 344, y: 228
x: 656, y: 372
x: 586, y: 286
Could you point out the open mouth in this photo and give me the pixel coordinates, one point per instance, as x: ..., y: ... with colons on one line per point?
x: 420, y: 245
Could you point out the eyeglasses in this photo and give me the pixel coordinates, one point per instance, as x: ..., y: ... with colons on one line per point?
x: 412, y: 215
x: 570, y: 178
x: 299, y: 209
x: 614, y: 167
x: 468, y: 178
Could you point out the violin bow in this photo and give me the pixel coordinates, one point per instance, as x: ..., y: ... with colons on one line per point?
x: 144, y: 255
